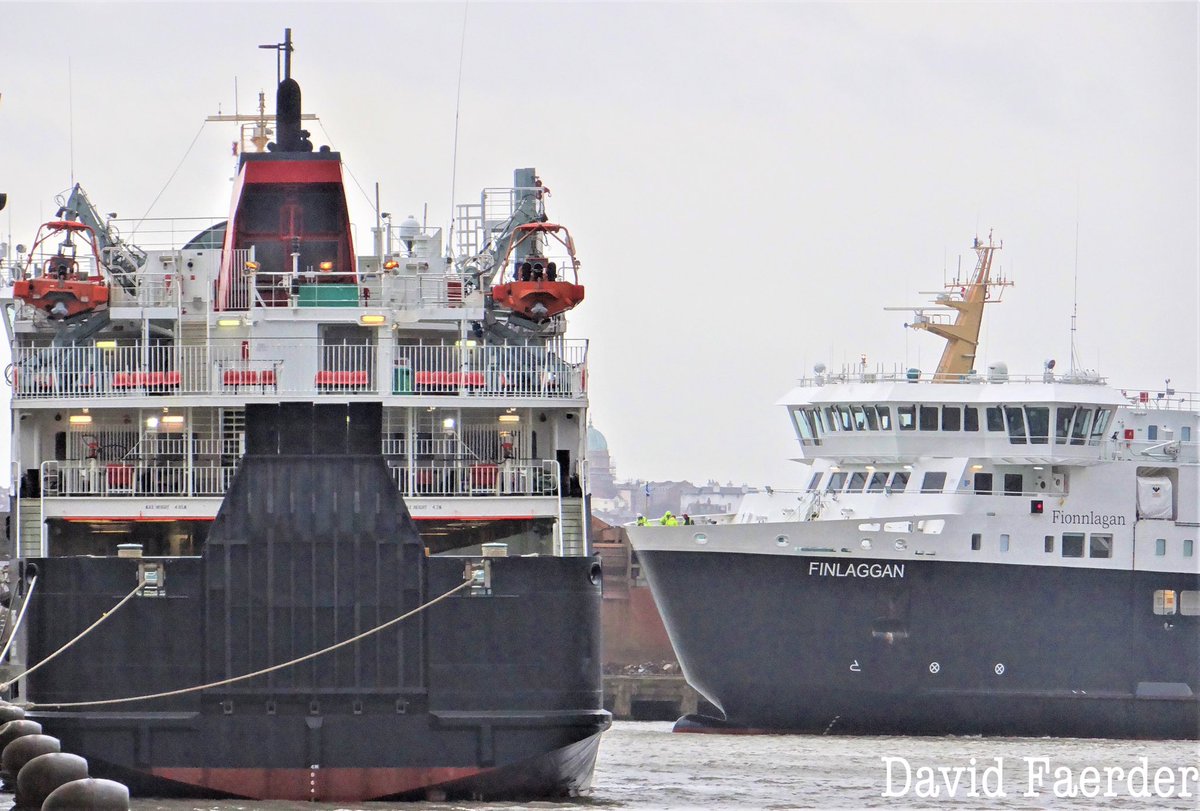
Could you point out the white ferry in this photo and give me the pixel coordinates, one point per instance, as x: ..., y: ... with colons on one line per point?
x: 974, y: 553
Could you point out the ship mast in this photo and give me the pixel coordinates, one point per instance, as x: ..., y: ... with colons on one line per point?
x: 968, y: 300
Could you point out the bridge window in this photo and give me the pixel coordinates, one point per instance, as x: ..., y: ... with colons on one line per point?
x: 1072, y: 545
x: 872, y: 418
x: 885, y: 418
x: 1049, y: 543
x: 929, y: 418
x: 1038, y: 418
x: 860, y: 419
x: 933, y: 482
x: 951, y: 418
x: 815, y: 483
x: 857, y: 481
x: 1102, y: 417
x: 803, y: 427
x: 983, y: 484
x: 995, y: 419
x: 1164, y: 602
x: 878, y: 480
x: 1014, y: 484
x: 899, y: 481
x: 847, y: 420
x: 1062, y: 424
x: 907, y: 417
x: 1083, y: 422
x: 970, y: 418
x: 836, y: 482
x: 1100, y: 545
x: 831, y: 418
x: 1016, y: 424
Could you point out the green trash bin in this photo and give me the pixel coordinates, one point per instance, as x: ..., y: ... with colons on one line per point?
x: 402, y: 380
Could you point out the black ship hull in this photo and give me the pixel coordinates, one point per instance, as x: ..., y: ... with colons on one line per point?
x: 494, y: 692
x: 781, y: 643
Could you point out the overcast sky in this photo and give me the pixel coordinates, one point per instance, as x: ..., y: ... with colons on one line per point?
x: 748, y: 185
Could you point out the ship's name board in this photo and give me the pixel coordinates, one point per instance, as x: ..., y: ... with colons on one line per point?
x: 877, y: 570
x: 1093, y: 519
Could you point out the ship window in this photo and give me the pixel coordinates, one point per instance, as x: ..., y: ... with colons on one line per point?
x: 899, y: 481
x: 1016, y: 424
x: 951, y: 418
x: 983, y: 484
x: 1151, y: 432
x: 815, y: 483
x: 847, y: 423
x: 836, y: 482
x: 976, y: 541
x: 907, y: 417
x: 860, y: 419
x: 1072, y: 545
x: 818, y: 420
x: 995, y: 420
x: 1188, y: 547
x: 1083, y: 421
x: 1004, y: 541
x: 885, y: 418
x: 1185, y: 433
x: 970, y: 418
x: 1100, y: 545
x: 1164, y: 602
x: 1160, y: 547
x: 929, y: 418
x: 831, y: 418
x: 1102, y: 417
x: 1049, y: 543
x: 872, y: 418
x: 933, y: 482
x: 812, y: 417
x: 1189, y: 603
x: 1062, y: 424
x: 857, y: 481
x: 1038, y: 418
x: 1014, y: 484
x: 802, y: 427
x: 878, y: 480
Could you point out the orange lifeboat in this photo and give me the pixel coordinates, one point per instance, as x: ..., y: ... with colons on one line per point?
x: 536, y: 289
x: 59, y: 286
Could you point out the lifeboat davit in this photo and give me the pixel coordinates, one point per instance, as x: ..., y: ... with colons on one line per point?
x: 536, y: 291
x: 59, y: 286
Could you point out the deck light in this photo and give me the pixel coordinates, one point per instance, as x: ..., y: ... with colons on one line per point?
x: 151, y: 422
x: 251, y: 266
x: 371, y: 320
x: 229, y: 322
x: 80, y: 419
x: 173, y: 419
x: 106, y: 344
x: 326, y: 265
x: 391, y: 264
x: 510, y: 418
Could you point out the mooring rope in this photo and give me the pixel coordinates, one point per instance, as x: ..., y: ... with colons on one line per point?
x: 264, y: 671
x: 20, y: 618
x: 5, y: 685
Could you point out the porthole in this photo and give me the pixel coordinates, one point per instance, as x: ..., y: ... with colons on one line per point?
x: 866, y: 543
x: 900, y: 545
x: 781, y: 540
x: 701, y: 538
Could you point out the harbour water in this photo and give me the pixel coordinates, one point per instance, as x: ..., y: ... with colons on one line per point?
x: 643, y: 765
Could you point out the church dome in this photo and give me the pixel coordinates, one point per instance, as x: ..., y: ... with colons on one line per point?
x: 595, y: 439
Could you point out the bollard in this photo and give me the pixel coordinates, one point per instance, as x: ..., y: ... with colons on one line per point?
x: 18, y: 729
x: 44, y: 773
x: 23, y: 750
x: 10, y: 712
x: 90, y: 793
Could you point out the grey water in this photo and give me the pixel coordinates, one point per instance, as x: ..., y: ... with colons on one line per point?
x: 643, y: 765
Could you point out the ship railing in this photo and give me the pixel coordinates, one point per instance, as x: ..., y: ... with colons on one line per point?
x: 146, y: 290
x: 470, y: 477
x: 414, y: 291
x: 310, y: 368
x: 94, y: 478
x: 557, y: 369
x: 1166, y: 400
x: 164, y: 233
x: 898, y: 375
